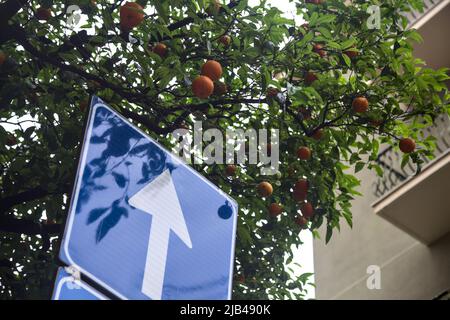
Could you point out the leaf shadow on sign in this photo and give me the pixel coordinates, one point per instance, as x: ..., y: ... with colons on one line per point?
x: 121, y: 145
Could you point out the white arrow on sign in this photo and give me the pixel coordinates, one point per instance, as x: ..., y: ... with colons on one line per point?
x: 159, y: 198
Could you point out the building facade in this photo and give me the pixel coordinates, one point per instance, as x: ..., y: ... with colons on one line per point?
x: 399, y: 247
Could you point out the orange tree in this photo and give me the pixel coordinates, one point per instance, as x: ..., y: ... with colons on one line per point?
x: 335, y: 88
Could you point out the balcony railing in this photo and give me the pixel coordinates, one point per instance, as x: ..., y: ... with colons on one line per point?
x: 415, y: 16
x: 390, y: 159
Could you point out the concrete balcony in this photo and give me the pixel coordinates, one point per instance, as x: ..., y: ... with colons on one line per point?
x: 431, y: 7
x: 420, y: 205
x: 433, y: 25
x: 419, y: 202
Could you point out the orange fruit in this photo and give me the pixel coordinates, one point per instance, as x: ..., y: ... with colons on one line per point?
x: 43, y: 13
x: 318, y: 48
x: 160, y: 49
x: 304, y: 153
x: 212, y: 69
x: 301, y: 221
x: 307, y: 210
x: 220, y: 88
x: 275, y: 209
x: 230, y: 170
x: 265, y: 189
x: 310, y: 77
x: 407, y: 145
x: 225, y: 40
x: 301, y: 190
x: 351, y: 54
x: 2, y: 57
x: 131, y: 15
x: 360, y: 104
x: 202, y: 87
x: 318, y: 134
x: 301, y: 185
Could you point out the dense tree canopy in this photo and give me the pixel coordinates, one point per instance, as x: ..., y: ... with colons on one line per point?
x: 333, y: 86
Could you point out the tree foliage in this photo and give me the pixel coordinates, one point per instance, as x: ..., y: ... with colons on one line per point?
x: 51, y: 69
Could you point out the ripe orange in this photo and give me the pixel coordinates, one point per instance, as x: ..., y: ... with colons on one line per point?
x: 301, y: 221
x: 2, y: 57
x: 300, y: 190
x: 220, y: 88
x: 304, y: 153
x: 230, y: 170
x: 160, y: 49
x: 275, y: 209
x: 307, y: 210
x: 301, y: 185
x: 407, y: 145
x: 318, y: 134
x: 318, y: 48
x: 202, y: 87
x: 299, y: 195
x: 265, y: 189
x: 225, y: 40
x: 360, y: 104
x: 43, y: 13
x: 212, y: 69
x: 131, y: 15
x: 351, y: 54
x: 310, y: 77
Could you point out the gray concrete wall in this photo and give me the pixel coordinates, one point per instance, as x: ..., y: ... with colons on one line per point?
x: 409, y: 269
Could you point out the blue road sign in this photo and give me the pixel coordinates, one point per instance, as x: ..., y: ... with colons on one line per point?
x: 67, y: 288
x: 143, y: 224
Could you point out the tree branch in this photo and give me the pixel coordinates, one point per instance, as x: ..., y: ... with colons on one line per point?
x: 28, y: 227
x: 22, y: 197
x: 206, y: 105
